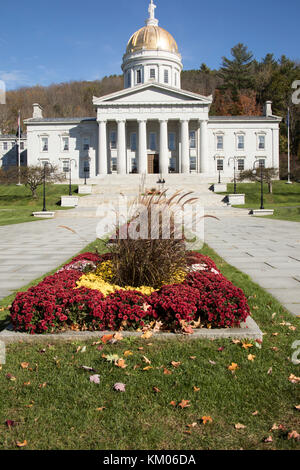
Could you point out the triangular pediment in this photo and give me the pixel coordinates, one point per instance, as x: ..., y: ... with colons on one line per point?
x: 152, y: 93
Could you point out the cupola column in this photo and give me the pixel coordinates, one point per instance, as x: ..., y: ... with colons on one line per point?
x: 204, y: 166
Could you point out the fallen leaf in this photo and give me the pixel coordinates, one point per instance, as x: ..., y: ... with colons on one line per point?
x: 184, y: 404
x: 193, y: 357
x: 89, y: 369
x: 275, y: 334
x: 236, y: 341
x: 147, y: 335
x: 196, y: 389
x: 147, y: 368
x: 247, y: 345
x: 293, y: 435
x: 119, y: 387
x: 167, y: 372
x: 233, y: 366
x: 270, y: 371
x: 111, y: 357
x: 101, y: 408
x: 221, y: 349
x: 292, y: 328
x: 128, y: 353
x: 121, y: 363
x: 297, y: 407
x: 106, y: 338
x: 43, y: 385
x: 146, y: 360
x: 26, y: 384
x: 255, y: 413
x: 275, y: 349
x: 24, y: 365
x: 11, y: 377
x: 193, y: 425
x: 118, y: 337
x: 83, y: 350
x: 173, y: 403
x: 206, y: 419
x: 213, y: 363
x: 95, y: 379
x: 10, y: 423
x: 293, y: 379
x: 239, y: 426
x: 251, y: 357
x: 268, y: 439
x: 156, y: 390
x: 175, y: 364
x: 21, y: 444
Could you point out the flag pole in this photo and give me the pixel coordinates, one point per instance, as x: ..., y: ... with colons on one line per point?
x: 289, y: 150
x: 19, y: 149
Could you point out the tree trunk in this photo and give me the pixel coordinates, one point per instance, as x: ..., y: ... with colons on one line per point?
x: 270, y: 186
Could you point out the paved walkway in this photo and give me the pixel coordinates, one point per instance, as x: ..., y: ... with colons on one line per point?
x: 268, y: 250
x: 29, y: 250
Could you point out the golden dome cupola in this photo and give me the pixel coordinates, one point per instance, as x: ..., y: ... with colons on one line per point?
x: 152, y: 55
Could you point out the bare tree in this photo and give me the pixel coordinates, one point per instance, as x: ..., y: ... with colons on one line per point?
x: 269, y: 174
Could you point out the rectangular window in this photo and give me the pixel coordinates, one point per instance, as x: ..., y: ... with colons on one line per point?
x: 261, y: 142
x: 129, y: 79
x: 133, y: 142
x: 138, y: 76
x: 113, y: 140
x: 192, y: 139
x: 241, y: 164
x: 220, y: 142
x: 262, y: 163
x: 152, y: 139
x: 152, y: 73
x: 133, y: 165
x: 166, y: 76
x: 86, y: 143
x: 21, y: 145
x: 4, y: 145
x: 241, y: 142
x: 114, y: 164
x: 193, y: 165
x: 172, y: 165
x: 65, y: 144
x: 66, y: 166
x: 44, y: 144
x: 172, y: 142
x: 220, y: 165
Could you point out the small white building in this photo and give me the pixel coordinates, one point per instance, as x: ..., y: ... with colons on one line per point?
x: 9, y: 152
x: 152, y: 125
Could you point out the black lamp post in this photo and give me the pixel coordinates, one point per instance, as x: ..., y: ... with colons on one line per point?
x: 261, y: 184
x: 234, y: 171
x: 219, y: 176
x: 70, y: 175
x: 44, y: 185
x: 86, y: 169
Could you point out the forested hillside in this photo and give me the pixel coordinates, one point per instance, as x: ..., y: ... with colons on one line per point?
x: 240, y: 86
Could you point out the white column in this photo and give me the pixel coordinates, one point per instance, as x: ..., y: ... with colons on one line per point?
x: 185, y: 147
x: 142, y: 163
x: 163, y: 148
x: 204, y: 163
x: 121, y: 162
x: 102, y: 148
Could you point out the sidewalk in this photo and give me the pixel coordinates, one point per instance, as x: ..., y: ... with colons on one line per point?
x: 30, y: 250
x: 267, y: 250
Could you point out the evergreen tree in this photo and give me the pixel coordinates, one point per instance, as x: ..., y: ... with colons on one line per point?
x: 236, y: 73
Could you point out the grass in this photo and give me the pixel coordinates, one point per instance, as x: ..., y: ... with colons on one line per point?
x: 285, y: 198
x: 56, y: 406
x: 17, y: 205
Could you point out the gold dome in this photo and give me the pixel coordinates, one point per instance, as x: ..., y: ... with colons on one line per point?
x: 152, y: 38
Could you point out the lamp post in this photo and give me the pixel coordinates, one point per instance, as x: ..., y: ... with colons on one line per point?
x: 234, y: 171
x: 86, y: 168
x: 70, y: 174
x: 44, y: 185
x: 261, y: 184
x: 219, y: 177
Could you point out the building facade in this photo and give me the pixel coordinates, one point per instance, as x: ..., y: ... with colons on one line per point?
x: 152, y: 125
x: 9, y: 152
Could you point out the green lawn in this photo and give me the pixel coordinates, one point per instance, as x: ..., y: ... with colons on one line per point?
x: 56, y: 406
x: 17, y: 205
x: 285, y: 198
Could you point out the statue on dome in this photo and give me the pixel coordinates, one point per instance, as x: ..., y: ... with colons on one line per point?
x: 151, y: 10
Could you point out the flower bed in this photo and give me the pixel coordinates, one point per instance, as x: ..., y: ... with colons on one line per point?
x: 80, y: 296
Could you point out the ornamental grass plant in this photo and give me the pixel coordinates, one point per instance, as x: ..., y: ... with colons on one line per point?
x: 150, y: 249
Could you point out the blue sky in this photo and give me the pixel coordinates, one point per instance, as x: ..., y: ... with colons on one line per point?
x: 44, y: 42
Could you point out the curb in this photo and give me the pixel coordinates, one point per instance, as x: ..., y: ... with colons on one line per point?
x: 249, y: 329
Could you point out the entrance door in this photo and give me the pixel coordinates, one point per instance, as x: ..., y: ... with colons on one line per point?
x: 153, y: 164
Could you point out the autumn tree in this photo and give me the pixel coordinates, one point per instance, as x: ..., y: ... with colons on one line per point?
x: 268, y: 174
